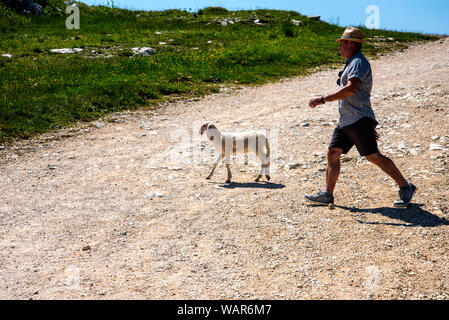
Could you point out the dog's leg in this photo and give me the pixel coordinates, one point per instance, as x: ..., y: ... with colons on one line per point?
x: 261, y: 170
x: 217, y: 161
x: 228, y: 168
x: 267, y: 172
x: 266, y: 168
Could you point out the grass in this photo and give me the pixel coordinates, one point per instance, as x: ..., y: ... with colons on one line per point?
x: 195, y: 54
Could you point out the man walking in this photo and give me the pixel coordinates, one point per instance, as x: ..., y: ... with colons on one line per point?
x: 357, y: 122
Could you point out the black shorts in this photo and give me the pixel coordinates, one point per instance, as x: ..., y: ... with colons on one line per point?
x: 361, y: 134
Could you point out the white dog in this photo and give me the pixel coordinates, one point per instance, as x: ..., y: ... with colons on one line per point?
x: 229, y: 143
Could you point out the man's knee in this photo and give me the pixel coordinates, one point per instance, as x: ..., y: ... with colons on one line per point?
x: 375, y: 157
x: 334, y: 154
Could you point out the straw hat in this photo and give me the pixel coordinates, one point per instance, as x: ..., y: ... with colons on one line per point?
x: 352, y: 34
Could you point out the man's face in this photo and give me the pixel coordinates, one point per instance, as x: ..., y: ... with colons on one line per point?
x: 346, y: 48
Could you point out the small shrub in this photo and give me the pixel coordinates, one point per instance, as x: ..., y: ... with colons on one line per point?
x: 212, y: 11
x: 288, y: 29
x: 10, y: 20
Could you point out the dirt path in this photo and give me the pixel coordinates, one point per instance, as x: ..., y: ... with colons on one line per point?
x: 121, y: 209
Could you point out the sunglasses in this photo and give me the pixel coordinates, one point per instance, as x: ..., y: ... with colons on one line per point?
x: 340, y: 74
x: 339, y: 77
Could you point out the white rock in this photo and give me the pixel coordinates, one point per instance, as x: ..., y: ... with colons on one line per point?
x: 415, y: 151
x: 151, y: 195
x: 435, y: 146
x: 292, y: 165
x: 66, y: 50
x: 146, y: 126
x: 401, y: 145
x: 143, y: 51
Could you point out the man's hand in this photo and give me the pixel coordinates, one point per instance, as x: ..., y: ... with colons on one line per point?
x: 315, y: 102
x: 348, y: 90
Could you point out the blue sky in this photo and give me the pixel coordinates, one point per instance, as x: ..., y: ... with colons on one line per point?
x: 431, y: 16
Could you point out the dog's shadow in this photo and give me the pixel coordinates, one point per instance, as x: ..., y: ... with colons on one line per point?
x: 413, y: 216
x: 255, y: 185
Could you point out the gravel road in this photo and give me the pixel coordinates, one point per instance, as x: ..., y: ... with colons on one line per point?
x: 120, y: 208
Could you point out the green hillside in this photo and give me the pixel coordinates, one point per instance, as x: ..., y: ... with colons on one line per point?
x: 194, y: 54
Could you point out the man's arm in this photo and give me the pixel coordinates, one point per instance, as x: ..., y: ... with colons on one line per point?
x: 348, y: 90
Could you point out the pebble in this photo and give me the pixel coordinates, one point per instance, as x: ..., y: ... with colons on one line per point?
x: 292, y: 165
x: 435, y: 146
x: 146, y: 126
x: 401, y: 146
x: 415, y: 151
x: 151, y: 195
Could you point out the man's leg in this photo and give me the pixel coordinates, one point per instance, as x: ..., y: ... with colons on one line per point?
x: 406, y: 190
x: 332, y: 168
x: 388, y: 166
x: 332, y: 172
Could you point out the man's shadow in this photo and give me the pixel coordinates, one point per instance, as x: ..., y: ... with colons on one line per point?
x: 255, y: 185
x: 413, y: 216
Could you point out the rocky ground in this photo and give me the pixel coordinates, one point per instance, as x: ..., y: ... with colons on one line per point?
x: 120, y: 208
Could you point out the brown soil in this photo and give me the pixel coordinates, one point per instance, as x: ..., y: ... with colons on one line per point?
x: 120, y: 208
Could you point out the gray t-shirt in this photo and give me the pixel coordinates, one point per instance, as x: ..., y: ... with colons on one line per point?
x: 358, y: 105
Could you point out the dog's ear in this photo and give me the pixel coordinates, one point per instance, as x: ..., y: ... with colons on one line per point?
x: 204, y: 127
x: 210, y: 132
